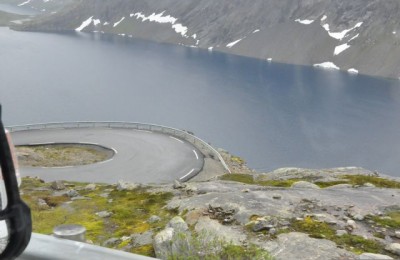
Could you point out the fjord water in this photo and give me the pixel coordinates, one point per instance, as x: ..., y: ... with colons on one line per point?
x: 271, y: 114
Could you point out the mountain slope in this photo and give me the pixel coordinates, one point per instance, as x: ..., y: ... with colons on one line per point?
x: 361, y: 34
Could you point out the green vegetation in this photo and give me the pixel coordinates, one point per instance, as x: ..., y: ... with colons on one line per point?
x: 205, y: 245
x: 323, y: 184
x: 355, y: 180
x: 359, y: 245
x: 57, y: 155
x: 248, y: 179
x: 377, y: 181
x: 353, y: 243
x: 237, y: 159
x: 130, y: 210
x: 392, y: 220
x: 314, y: 228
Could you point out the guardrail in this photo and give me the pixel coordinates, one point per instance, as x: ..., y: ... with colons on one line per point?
x: 199, y: 143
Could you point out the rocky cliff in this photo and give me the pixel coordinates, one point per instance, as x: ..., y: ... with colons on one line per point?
x: 290, y: 213
x: 359, y: 36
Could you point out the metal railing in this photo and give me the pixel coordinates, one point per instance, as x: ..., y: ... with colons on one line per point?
x: 185, y: 135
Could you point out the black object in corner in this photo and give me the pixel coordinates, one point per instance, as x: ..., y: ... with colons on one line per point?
x: 17, y: 214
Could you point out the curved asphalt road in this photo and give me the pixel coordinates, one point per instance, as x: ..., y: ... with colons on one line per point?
x: 142, y: 156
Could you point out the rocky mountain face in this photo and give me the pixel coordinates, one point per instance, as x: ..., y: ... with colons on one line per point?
x: 359, y: 36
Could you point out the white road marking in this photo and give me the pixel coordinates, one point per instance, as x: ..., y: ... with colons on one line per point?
x: 105, y: 161
x: 89, y: 143
x: 186, y: 174
x: 195, y: 153
x: 176, y: 139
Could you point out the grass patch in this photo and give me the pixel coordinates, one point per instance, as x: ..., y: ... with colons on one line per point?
x: 323, y: 184
x: 130, y: 210
x: 377, y: 181
x: 144, y: 250
x: 347, y: 179
x: 58, y: 155
x: 237, y: 160
x: 314, y: 228
x: 239, y: 252
x: 243, y: 178
x: 353, y: 243
x: 392, y: 222
x: 248, y: 179
x: 359, y: 245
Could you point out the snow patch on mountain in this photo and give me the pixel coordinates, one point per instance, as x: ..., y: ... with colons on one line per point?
x: 341, y: 48
x: 96, y: 22
x: 304, y: 21
x: 179, y: 28
x: 84, y: 24
x: 327, y: 65
x: 117, y: 23
x: 160, y: 18
x: 352, y: 71
x: 231, y: 44
x: 340, y: 35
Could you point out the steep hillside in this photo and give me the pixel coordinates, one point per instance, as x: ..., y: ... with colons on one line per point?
x: 361, y: 35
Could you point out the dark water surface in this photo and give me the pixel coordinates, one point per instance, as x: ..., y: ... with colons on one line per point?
x: 273, y: 115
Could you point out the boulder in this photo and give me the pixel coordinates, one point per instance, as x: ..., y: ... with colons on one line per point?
x: 262, y: 225
x: 153, y: 219
x: 57, y: 185
x: 72, y: 193
x: 162, y: 243
x: 178, y: 185
x: 90, y: 187
x: 351, y: 225
x: 341, y: 232
x: 124, y: 185
x: 145, y: 238
x: 297, y: 245
x: 304, y: 185
x: 173, y: 240
x: 358, y: 217
x: 42, y: 204
x: 393, y: 248
x: 178, y: 224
